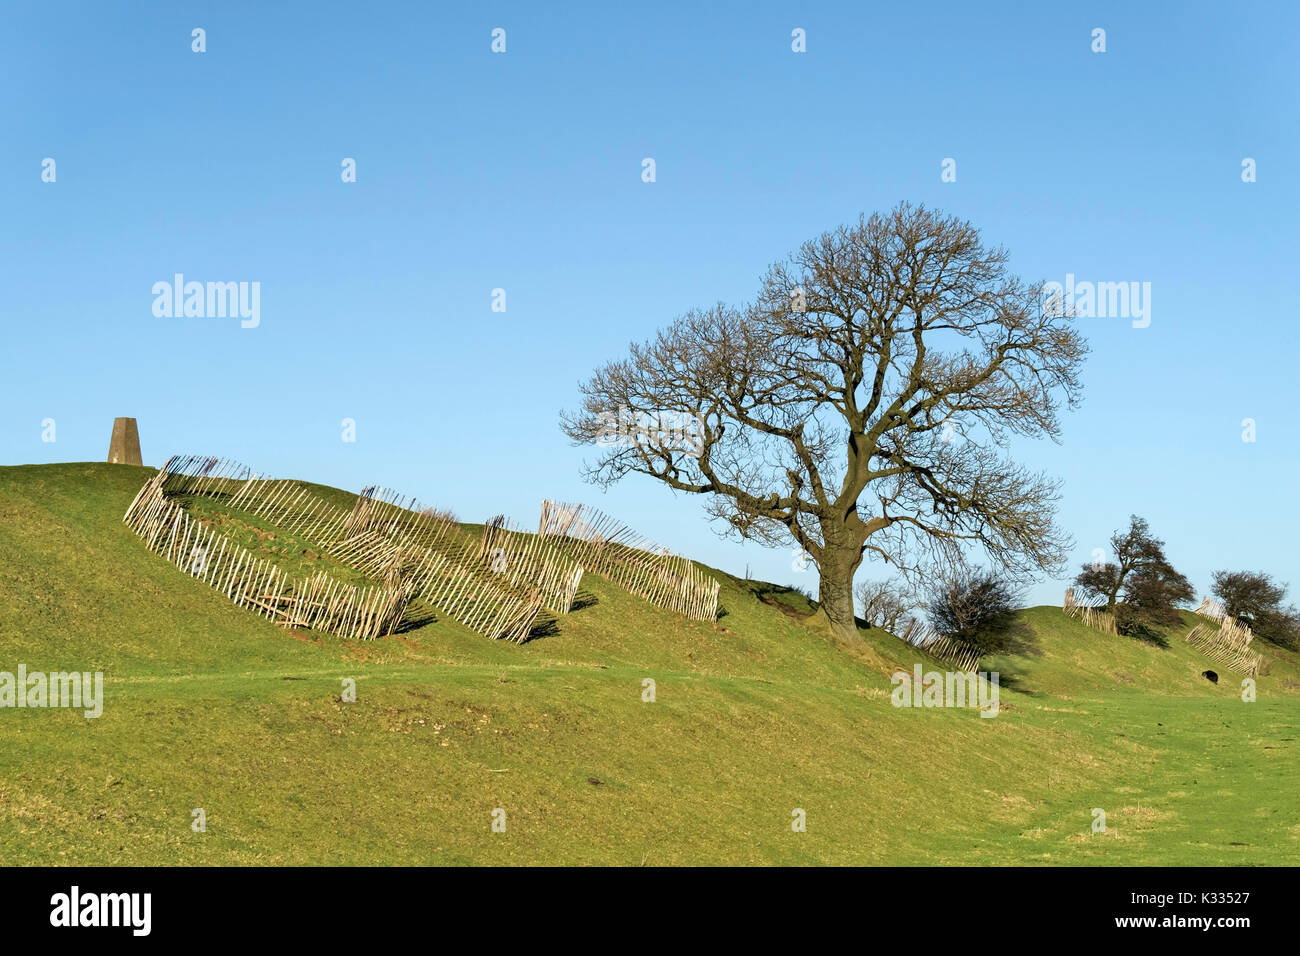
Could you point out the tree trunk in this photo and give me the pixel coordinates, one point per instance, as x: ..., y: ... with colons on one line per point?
x: 835, y: 590
x: 1113, y: 598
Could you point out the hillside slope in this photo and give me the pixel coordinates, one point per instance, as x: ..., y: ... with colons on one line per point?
x: 209, y: 706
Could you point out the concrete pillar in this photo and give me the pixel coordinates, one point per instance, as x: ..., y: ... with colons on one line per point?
x: 124, y: 449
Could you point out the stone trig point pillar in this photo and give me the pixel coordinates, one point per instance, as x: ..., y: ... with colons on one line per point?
x: 124, y: 449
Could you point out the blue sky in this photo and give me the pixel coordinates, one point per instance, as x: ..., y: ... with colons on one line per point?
x: 522, y: 171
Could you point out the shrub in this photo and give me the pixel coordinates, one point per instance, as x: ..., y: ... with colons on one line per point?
x: 977, y: 607
x: 1253, y: 598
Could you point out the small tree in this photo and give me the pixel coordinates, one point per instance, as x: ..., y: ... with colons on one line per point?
x: 883, y: 603
x: 1141, y: 575
x: 977, y: 607
x: 1255, y: 599
x: 1151, y: 599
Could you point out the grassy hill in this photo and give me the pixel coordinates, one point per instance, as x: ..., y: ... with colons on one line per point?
x: 211, y: 706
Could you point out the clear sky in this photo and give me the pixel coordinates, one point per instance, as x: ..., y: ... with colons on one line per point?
x: 521, y: 171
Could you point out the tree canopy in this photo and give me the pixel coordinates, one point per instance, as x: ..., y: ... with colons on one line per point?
x: 861, y: 404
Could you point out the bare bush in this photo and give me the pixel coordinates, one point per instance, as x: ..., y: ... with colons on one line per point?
x: 884, y: 603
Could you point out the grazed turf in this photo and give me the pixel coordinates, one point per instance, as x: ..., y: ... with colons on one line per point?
x: 759, y: 715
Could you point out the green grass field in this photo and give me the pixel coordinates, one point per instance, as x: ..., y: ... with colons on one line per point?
x: 210, y: 706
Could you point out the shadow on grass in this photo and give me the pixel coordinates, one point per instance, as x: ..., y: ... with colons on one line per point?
x: 546, y: 625
x: 1013, y: 681
x: 1152, y: 638
x: 582, y: 600
x: 1018, y: 640
x: 789, y: 601
x: 418, y: 615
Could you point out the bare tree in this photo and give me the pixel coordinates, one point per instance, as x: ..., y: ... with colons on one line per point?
x: 884, y: 603
x: 861, y: 404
